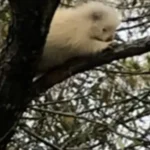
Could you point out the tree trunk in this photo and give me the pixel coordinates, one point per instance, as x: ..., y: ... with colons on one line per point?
x: 26, y: 38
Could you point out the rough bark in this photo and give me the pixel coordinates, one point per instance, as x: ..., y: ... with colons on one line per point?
x: 26, y: 38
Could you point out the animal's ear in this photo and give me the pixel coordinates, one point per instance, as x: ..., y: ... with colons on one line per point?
x: 96, y: 16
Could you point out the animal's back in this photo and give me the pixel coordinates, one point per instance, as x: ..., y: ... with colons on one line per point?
x: 69, y: 35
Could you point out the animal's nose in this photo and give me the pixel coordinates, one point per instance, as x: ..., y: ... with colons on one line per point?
x: 110, y: 38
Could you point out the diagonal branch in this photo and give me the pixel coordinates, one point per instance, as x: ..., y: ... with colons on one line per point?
x: 78, y: 65
x: 30, y: 132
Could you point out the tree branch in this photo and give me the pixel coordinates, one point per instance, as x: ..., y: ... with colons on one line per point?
x: 30, y: 132
x: 78, y: 65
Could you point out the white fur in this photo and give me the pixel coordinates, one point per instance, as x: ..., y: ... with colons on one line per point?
x: 78, y: 31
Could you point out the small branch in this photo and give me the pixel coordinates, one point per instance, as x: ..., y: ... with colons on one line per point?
x: 30, y: 132
x: 126, y: 73
x: 66, y: 114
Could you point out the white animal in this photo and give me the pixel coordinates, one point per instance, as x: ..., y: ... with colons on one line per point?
x: 79, y: 31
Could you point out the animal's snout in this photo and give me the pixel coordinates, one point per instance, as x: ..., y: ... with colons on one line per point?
x: 110, y: 38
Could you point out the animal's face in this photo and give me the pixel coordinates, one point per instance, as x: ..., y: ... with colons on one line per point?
x: 106, y: 30
x: 108, y: 27
x: 104, y: 24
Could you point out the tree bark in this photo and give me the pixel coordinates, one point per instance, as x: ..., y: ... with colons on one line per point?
x: 26, y: 38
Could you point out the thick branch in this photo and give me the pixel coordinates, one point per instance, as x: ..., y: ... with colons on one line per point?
x: 81, y: 64
x: 27, y: 34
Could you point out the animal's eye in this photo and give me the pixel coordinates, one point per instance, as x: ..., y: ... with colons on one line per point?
x: 96, y: 16
x: 104, y: 30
